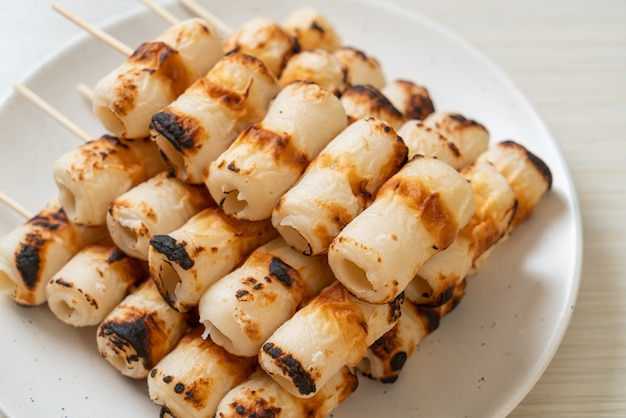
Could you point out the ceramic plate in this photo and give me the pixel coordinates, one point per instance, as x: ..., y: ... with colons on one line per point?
x: 486, y: 355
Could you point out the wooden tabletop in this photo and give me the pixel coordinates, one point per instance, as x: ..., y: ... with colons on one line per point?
x: 569, y: 59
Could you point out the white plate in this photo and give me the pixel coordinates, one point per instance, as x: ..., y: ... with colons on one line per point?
x: 483, y: 359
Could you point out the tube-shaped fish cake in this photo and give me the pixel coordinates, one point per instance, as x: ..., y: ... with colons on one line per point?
x: 140, y: 331
x: 385, y: 358
x: 91, y: 175
x: 191, y: 379
x: 338, y: 184
x: 417, y: 213
x: 465, y: 137
x: 154, y: 75
x: 495, y: 207
x: 363, y: 101
x: 267, y: 158
x: 264, y: 39
x: 31, y: 253
x: 242, y: 309
x: 93, y: 282
x: 159, y: 205
x: 360, y: 68
x: 316, y: 65
x: 319, y: 66
x: 188, y: 260
x: 312, y: 30
x: 411, y: 99
x: 528, y: 175
x: 330, y: 332
x: 261, y: 396
x: 424, y: 140
x: 199, y: 125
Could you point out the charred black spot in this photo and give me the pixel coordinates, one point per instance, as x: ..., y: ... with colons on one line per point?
x: 241, y: 293
x: 460, y: 118
x: 395, y: 307
x: 293, y: 368
x: 116, y: 255
x: 134, y: 333
x: 174, y: 251
x: 281, y: 270
x: 179, y: 388
x: 153, y: 372
x: 317, y: 27
x: 167, y: 124
x: 431, y: 318
x: 398, y: 360
x: 167, y: 379
x: 232, y: 167
x: 28, y: 262
x: 44, y: 223
x: 389, y: 379
x: 63, y: 283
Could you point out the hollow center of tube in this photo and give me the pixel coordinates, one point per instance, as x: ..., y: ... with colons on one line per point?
x: 68, y: 200
x: 232, y: 204
x: 354, y: 276
x: 170, y: 279
x: 62, y: 309
x: 294, y: 238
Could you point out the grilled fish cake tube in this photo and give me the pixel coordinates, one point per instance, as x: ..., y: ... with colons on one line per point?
x: 242, y: 309
x: 191, y: 379
x: 360, y: 68
x: 527, y: 174
x: 312, y: 30
x: 159, y: 205
x: 330, y: 332
x: 376, y: 255
x: 199, y: 125
x: 154, y: 75
x: 495, y: 208
x: 411, y: 99
x: 93, y: 282
x: 267, y: 158
x: 264, y: 39
x: 140, y: 331
x: 34, y: 251
x: 261, y: 396
x: 188, y: 260
x: 385, y: 359
x: 363, y: 101
x: 338, y: 184
x: 316, y: 65
x: 91, y: 175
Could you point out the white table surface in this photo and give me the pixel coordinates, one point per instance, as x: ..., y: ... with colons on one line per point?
x: 569, y: 58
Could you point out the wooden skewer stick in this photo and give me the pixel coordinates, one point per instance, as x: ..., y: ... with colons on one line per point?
x: 54, y: 113
x: 198, y: 10
x: 97, y: 33
x: 161, y: 11
x: 15, y: 206
x: 85, y: 91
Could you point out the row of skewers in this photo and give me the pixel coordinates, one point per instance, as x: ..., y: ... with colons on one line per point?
x: 270, y: 223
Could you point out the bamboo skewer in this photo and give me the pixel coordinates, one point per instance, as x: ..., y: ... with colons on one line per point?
x: 97, y: 33
x: 54, y: 113
x: 15, y: 206
x: 85, y: 91
x: 161, y: 11
x: 198, y: 10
